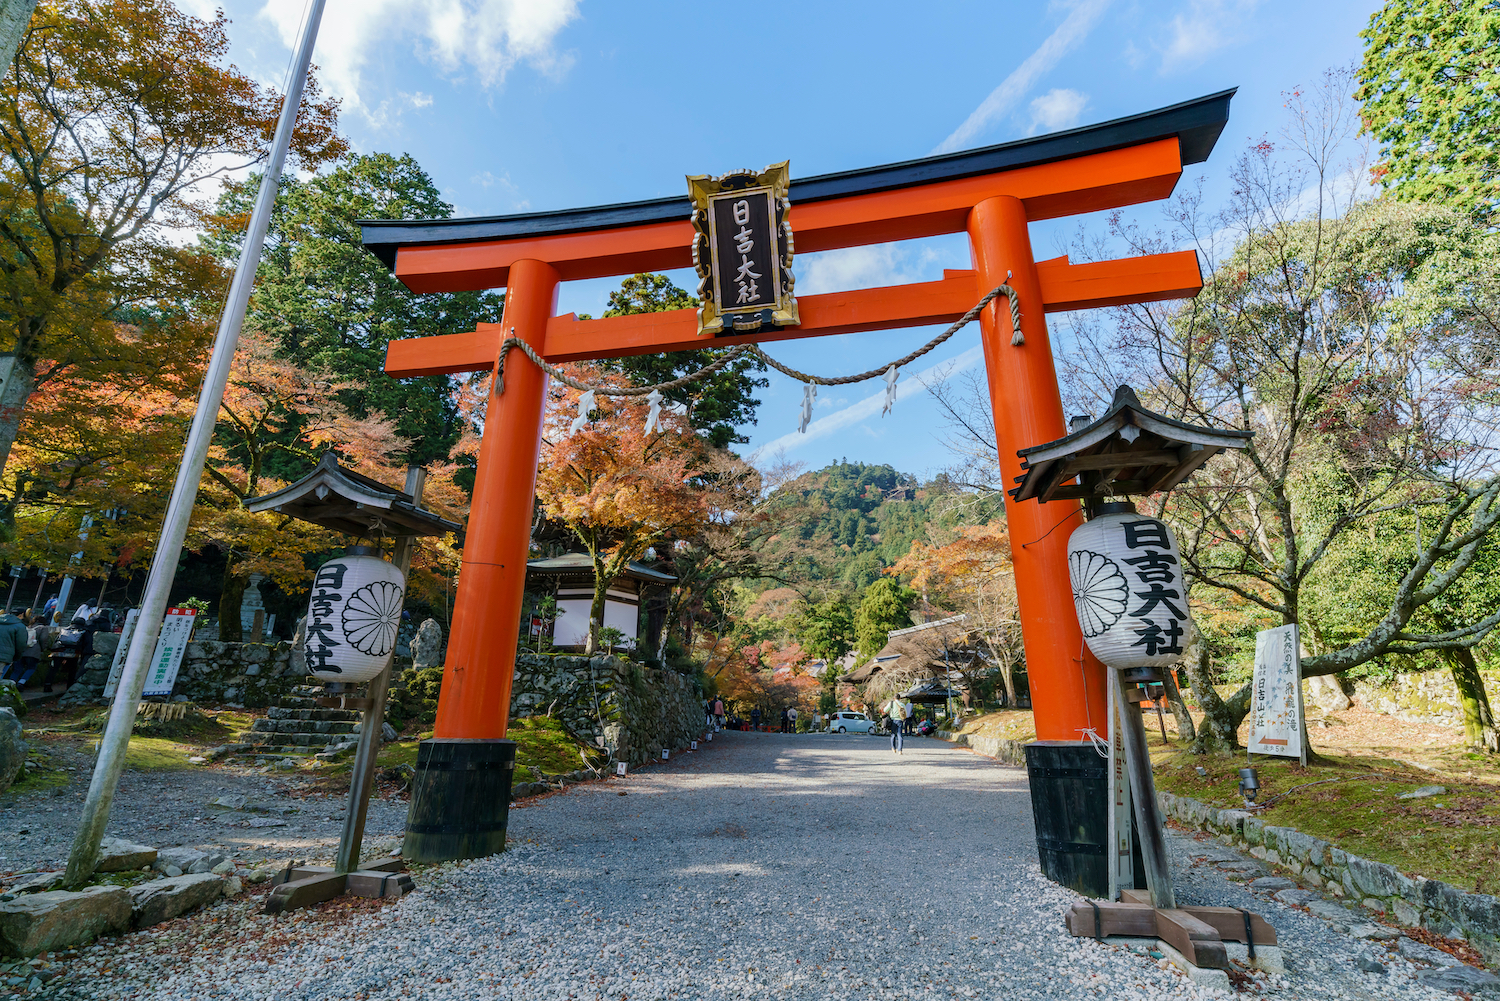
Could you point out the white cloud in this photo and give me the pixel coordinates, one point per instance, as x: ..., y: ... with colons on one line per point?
x: 419, y: 99
x: 873, y: 266
x: 1057, y: 109
x: 1004, y: 99
x: 1205, y: 27
x: 487, y: 37
x: 870, y: 406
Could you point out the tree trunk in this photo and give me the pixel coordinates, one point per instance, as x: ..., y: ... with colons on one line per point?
x: 1218, y: 731
x: 231, y: 597
x: 1480, y: 730
x: 15, y: 15
x: 1185, y: 728
x: 17, y: 377
x: 596, y: 614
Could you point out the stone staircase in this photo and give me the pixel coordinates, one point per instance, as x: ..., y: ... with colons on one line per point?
x: 299, y: 727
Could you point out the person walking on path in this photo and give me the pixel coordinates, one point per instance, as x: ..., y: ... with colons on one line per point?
x: 719, y: 713
x: 14, y: 639
x: 708, y: 713
x: 755, y: 718
x: 791, y: 719
x: 783, y: 721
x: 898, y: 711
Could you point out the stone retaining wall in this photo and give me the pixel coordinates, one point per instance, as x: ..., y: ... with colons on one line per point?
x: 248, y: 674
x: 1384, y: 889
x: 636, y: 710
x: 1012, y: 752
x: 1429, y: 697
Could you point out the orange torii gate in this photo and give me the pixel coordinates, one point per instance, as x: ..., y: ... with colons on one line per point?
x: 990, y: 193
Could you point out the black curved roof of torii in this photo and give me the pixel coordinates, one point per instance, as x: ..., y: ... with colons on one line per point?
x: 1196, y: 124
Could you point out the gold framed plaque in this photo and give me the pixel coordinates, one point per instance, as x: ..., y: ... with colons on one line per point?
x: 742, y: 250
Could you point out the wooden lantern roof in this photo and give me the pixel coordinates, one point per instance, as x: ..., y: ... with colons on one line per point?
x: 345, y: 501
x: 1130, y: 450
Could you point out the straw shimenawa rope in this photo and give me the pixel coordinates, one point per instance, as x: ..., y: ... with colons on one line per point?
x: 754, y: 349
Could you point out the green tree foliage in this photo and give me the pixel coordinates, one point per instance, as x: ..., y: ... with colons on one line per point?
x: 1357, y: 344
x: 113, y: 116
x: 1430, y: 87
x: 886, y: 605
x: 826, y: 629
x: 334, y: 307
x: 848, y: 521
x: 718, y: 406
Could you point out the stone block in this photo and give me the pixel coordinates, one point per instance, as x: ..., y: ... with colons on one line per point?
x: 1460, y: 978
x: 12, y: 748
x: 119, y: 855
x: 1373, y: 904
x: 1438, y: 923
x: 1374, y: 879
x: 1419, y: 952
x: 181, y: 858
x: 1337, y: 856
x: 59, y: 919
x: 1253, y: 829
x: 1299, y: 846
x: 1405, y: 913
x: 1481, y: 914
x: 163, y: 899
x: 105, y: 644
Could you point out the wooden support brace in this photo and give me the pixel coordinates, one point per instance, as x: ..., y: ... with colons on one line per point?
x: 366, y: 883
x: 304, y: 891
x: 302, y: 885
x: 1198, y: 933
x: 1197, y: 940
x: 1228, y: 921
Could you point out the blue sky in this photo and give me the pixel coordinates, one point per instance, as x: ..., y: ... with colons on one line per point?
x: 540, y: 104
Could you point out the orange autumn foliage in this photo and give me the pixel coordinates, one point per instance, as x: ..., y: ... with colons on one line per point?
x: 617, y: 488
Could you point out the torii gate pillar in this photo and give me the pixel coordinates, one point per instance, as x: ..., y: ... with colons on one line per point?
x: 1024, y: 396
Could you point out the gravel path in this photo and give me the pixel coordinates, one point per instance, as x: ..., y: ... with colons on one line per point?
x: 171, y: 809
x: 763, y: 866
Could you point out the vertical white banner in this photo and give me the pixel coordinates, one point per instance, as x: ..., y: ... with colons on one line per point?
x: 118, y: 665
x: 1121, y: 867
x: 176, y: 630
x: 1276, y: 694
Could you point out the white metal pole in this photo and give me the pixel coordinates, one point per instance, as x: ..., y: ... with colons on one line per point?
x: 111, y: 761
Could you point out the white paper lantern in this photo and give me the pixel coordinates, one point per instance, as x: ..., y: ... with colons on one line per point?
x: 353, y: 617
x: 1128, y: 589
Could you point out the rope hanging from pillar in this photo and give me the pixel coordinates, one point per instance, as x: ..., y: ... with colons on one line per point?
x: 654, y: 393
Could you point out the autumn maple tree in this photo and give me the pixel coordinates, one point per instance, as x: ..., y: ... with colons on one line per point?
x: 973, y: 575
x: 114, y: 118
x: 618, y: 488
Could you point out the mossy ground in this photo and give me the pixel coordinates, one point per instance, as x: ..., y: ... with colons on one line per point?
x: 542, y: 743
x: 1453, y: 837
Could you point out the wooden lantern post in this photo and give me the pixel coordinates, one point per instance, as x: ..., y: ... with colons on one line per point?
x: 345, y: 501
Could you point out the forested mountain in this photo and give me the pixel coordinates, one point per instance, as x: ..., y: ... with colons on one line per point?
x: 848, y: 521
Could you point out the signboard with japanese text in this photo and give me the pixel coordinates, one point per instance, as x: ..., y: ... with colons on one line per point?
x: 1276, y: 694
x: 117, y: 667
x: 1122, y: 854
x: 743, y: 251
x: 176, y: 631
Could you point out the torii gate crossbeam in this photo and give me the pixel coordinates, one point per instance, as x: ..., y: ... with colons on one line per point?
x: 991, y: 193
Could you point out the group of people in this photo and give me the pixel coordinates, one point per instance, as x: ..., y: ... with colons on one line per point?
x: 26, y: 642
